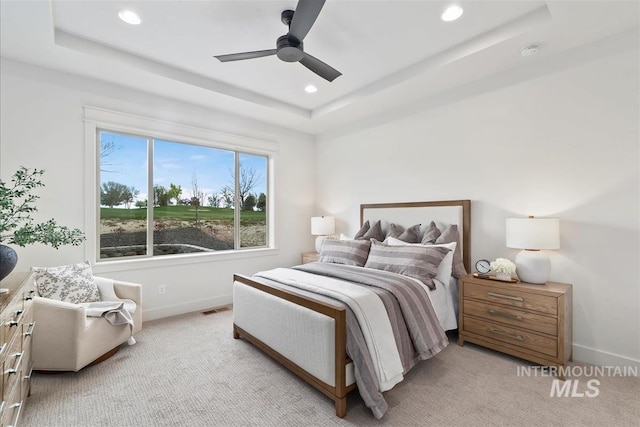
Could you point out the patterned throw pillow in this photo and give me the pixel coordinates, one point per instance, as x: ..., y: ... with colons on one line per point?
x: 349, y: 252
x: 71, y: 283
x: 451, y: 234
x: 420, y: 262
x: 431, y: 234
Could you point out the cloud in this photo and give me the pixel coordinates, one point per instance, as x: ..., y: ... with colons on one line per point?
x: 170, y: 166
x: 197, y: 157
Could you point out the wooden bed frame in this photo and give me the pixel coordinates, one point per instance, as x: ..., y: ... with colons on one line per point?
x: 338, y: 393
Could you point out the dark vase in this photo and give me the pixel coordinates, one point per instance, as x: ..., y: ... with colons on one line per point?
x: 8, y: 260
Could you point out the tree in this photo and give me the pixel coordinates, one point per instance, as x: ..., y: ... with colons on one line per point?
x: 249, y: 178
x: 160, y: 196
x: 141, y: 204
x: 214, y: 200
x: 227, y: 197
x: 129, y: 196
x: 107, y: 147
x: 249, y: 203
x: 262, y: 202
x: 174, y: 192
x: 196, y: 191
x: 113, y: 193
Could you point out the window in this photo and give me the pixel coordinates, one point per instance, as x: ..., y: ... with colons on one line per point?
x: 160, y: 196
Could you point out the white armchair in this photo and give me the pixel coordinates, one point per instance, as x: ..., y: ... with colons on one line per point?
x: 65, y: 339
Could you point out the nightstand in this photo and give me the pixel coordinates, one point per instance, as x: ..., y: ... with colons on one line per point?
x: 310, y: 257
x: 533, y: 322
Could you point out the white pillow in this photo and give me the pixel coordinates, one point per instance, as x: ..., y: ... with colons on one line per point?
x: 446, y: 265
x: 345, y: 237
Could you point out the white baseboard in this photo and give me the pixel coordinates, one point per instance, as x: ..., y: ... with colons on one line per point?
x: 603, y: 358
x: 187, y: 307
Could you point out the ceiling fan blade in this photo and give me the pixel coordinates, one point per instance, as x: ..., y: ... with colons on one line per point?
x: 320, y: 68
x: 304, y: 16
x: 245, y: 55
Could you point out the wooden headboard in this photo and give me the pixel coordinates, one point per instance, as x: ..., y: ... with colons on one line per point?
x: 411, y: 213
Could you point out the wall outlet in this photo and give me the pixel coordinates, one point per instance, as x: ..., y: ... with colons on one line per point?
x: 162, y: 289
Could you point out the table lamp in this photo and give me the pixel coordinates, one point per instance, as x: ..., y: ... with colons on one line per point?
x: 322, y: 226
x: 532, y: 235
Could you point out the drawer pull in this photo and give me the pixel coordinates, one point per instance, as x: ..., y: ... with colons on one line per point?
x: 505, y: 315
x: 499, y: 332
x: 16, y: 365
x: 30, y: 330
x: 493, y: 294
x: 16, y: 318
x: 16, y: 414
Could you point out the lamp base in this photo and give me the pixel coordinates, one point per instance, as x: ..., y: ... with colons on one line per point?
x: 533, y: 266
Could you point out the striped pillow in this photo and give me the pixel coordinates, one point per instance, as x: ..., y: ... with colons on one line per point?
x: 419, y: 262
x: 349, y: 252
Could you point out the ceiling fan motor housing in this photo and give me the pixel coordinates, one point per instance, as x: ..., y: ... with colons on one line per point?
x: 289, y: 49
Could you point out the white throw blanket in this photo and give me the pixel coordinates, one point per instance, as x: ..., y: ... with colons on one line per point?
x: 368, y: 309
x: 115, y: 310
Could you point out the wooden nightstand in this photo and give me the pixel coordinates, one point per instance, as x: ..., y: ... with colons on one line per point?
x: 310, y: 257
x: 533, y: 322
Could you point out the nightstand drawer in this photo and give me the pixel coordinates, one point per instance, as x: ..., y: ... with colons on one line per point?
x: 510, y: 335
x: 512, y: 297
x: 512, y: 316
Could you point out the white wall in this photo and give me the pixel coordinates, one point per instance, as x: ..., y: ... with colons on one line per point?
x: 42, y: 127
x: 562, y: 145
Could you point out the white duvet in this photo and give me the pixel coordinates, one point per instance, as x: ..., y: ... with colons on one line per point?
x: 368, y: 309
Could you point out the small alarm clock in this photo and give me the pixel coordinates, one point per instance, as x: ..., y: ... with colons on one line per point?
x: 483, y: 266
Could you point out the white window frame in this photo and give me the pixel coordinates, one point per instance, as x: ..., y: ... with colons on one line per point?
x: 96, y: 119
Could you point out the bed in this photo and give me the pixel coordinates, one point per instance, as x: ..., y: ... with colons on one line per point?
x: 301, y: 318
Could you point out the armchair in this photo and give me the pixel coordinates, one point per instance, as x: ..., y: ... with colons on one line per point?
x: 65, y: 339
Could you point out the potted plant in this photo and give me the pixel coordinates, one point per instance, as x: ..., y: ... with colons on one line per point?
x: 16, y: 224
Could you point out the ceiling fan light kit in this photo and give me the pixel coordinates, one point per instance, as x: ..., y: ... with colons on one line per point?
x: 290, y: 47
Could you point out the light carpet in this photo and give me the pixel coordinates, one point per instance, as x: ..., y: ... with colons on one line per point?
x: 189, y: 371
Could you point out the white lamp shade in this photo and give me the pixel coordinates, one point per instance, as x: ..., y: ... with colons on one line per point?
x: 323, y: 225
x: 533, y: 233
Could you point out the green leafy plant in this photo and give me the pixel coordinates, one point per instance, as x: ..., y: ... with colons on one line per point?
x: 17, y: 205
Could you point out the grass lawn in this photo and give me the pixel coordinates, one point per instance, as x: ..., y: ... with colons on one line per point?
x: 184, y: 213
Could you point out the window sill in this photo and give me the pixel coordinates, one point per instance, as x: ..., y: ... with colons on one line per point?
x: 170, y: 260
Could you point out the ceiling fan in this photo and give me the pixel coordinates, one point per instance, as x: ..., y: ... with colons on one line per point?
x: 289, y: 47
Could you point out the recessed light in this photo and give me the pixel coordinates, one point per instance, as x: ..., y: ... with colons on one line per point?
x: 529, y: 50
x: 129, y: 17
x: 311, y: 89
x: 452, y: 13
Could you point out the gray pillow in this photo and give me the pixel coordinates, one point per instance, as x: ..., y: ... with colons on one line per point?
x: 419, y: 262
x: 71, y: 283
x: 365, y: 227
x: 411, y: 234
x: 349, y: 252
x: 375, y: 232
x: 451, y: 234
x: 394, y: 230
x: 431, y: 234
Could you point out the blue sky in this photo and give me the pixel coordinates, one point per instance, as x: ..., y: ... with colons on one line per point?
x: 175, y: 163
